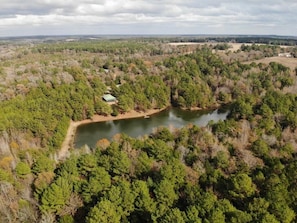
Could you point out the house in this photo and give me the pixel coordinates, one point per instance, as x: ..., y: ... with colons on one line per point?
x: 109, y: 98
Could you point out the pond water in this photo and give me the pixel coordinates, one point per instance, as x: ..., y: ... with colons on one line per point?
x: 89, y: 134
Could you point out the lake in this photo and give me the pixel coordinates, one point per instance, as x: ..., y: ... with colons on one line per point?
x: 89, y: 134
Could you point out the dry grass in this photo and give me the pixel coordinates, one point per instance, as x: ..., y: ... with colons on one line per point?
x: 234, y: 46
x: 288, y: 62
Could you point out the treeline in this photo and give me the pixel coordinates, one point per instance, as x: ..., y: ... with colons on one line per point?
x: 115, y: 47
x: 273, y: 40
x: 197, y: 80
x: 45, y: 111
x: 113, y: 60
x: 267, y: 50
x: 203, y: 80
x: 238, y: 170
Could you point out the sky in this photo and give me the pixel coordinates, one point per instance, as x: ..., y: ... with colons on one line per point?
x: 151, y: 17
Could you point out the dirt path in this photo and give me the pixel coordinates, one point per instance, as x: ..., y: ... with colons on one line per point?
x: 68, y: 141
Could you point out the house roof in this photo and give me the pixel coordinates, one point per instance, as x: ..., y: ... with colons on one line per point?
x: 109, y: 97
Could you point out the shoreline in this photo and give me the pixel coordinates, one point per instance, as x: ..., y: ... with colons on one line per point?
x: 71, y: 131
x: 69, y: 138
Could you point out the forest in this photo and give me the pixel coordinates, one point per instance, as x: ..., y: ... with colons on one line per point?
x: 242, y: 169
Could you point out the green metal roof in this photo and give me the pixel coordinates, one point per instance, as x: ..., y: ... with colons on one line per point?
x: 109, y: 98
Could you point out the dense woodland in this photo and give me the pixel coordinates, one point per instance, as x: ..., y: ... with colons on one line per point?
x: 242, y: 169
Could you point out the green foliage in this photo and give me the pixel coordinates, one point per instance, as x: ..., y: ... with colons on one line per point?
x: 223, y: 46
x: 41, y: 182
x: 260, y: 147
x: 174, y: 171
x: 163, y: 134
x: 87, y: 163
x: 165, y: 197
x: 43, y: 164
x: 222, y: 160
x: 143, y: 164
x: 242, y: 108
x: 66, y: 219
x: 174, y: 216
x: 22, y: 169
x: 98, y: 180
x: 258, y: 208
x: 115, y: 161
x: 143, y: 201
x: 225, y: 128
x: 151, y: 93
x: 69, y: 167
x: 165, y: 193
x: 266, y: 111
x: 217, y: 216
x: 105, y: 212
x: 102, y: 108
x: 158, y: 149
x: 115, y: 111
x: 242, y: 169
x: 6, y: 176
x: 206, y: 204
x: 122, y: 196
x: 268, y: 50
x: 55, y: 196
x: 192, y: 215
x: 242, y: 186
x: 239, y: 217
x: 142, y: 180
x: 278, y: 196
x: 126, y: 103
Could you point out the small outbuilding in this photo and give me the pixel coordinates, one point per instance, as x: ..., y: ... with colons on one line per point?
x: 288, y: 55
x: 109, y: 98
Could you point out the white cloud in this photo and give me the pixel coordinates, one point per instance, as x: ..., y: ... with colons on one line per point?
x: 161, y: 16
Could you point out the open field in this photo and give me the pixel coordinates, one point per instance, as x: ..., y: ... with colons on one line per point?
x: 288, y: 62
x: 234, y: 46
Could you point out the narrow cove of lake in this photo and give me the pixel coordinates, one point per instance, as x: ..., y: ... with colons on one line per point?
x: 89, y: 134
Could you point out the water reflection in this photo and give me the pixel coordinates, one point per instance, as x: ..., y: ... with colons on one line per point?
x: 90, y: 133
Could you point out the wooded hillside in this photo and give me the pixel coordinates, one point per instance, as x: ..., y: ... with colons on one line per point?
x: 238, y: 170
